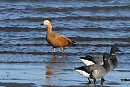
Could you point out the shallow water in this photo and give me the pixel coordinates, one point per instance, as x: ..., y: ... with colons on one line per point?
x: 95, y: 26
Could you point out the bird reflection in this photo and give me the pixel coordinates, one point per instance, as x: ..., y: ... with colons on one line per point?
x: 54, y: 66
x: 48, y: 73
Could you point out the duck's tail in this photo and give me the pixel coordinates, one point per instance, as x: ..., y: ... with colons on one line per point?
x: 72, y: 43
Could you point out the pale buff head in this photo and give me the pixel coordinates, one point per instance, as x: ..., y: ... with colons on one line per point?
x: 46, y: 22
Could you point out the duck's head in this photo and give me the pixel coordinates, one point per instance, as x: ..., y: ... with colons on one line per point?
x: 46, y: 22
x: 113, y: 50
x: 106, y: 56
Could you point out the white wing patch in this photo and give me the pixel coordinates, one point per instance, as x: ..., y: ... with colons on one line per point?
x: 87, y: 62
x: 85, y: 74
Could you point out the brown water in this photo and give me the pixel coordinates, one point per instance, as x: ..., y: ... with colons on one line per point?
x: 95, y: 26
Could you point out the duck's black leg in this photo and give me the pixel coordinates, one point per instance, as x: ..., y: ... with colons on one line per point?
x: 102, y: 83
x: 102, y: 79
x: 89, y: 80
x: 95, y: 82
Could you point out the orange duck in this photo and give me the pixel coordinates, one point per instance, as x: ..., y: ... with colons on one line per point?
x: 56, y: 40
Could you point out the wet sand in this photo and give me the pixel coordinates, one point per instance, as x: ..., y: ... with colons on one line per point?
x: 26, y: 59
x: 56, y: 71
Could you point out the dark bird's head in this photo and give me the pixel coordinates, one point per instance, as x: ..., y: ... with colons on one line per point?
x: 106, y: 56
x: 114, y: 49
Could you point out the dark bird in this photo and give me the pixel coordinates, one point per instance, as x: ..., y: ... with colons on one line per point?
x: 95, y: 71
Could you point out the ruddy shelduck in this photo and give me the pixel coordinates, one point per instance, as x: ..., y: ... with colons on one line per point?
x: 56, y: 40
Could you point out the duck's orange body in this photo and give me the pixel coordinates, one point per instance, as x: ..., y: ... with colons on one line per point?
x: 56, y: 40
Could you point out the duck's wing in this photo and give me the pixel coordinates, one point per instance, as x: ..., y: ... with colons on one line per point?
x: 89, y: 60
x: 64, y: 39
x: 98, y: 60
x: 83, y: 71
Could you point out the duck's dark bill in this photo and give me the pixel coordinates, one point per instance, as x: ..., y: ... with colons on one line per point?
x: 41, y: 24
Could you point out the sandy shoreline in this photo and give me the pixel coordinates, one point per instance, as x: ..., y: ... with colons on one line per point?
x: 105, y: 84
x: 109, y: 84
x: 57, y: 71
